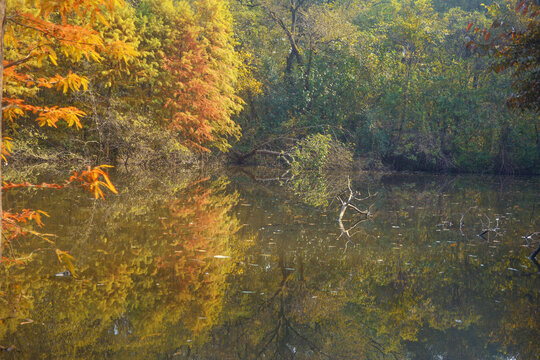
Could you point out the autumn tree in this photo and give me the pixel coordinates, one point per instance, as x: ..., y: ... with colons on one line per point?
x: 512, y: 42
x: 204, y: 69
x: 37, y: 38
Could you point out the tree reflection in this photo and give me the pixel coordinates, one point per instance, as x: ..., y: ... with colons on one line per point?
x: 248, y: 270
x: 152, y: 278
x: 413, y: 287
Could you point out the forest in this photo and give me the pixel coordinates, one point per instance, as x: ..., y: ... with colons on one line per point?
x: 440, y: 86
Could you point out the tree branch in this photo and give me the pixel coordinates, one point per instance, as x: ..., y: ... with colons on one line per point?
x: 20, y: 61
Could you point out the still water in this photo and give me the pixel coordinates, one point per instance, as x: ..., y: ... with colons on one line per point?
x: 236, y: 264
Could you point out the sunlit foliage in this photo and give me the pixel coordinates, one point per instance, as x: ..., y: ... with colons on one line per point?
x: 203, y: 67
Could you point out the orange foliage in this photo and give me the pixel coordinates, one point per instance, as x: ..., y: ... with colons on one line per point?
x: 88, y: 179
x: 36, y: 33
x: 15, y: 225
x: 13, y: 222
x: 200, y: 224
x: 34, y: 38
x: 199, y: 228
x: 203, y: 68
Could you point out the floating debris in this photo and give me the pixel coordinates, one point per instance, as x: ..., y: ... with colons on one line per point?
x: 66, y: 273
x: 248, y: 292
x: 222, y: 257
x: 512, y: 269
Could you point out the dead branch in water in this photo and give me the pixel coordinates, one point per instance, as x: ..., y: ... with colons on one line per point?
x: 345, y: 204
x: 487, y: 228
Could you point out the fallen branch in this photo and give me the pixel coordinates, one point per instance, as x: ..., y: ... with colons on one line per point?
x: 353, y: 195
x: 279, y: 154
x: 260, y: 149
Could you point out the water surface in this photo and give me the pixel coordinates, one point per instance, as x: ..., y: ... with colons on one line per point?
x: 240, y: 265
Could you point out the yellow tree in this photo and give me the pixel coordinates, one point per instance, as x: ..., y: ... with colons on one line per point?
x: 204, y: 68
x: 37, y: 36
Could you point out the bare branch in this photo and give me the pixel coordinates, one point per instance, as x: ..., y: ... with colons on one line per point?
x: 19, y: 62
x: 347, y: 204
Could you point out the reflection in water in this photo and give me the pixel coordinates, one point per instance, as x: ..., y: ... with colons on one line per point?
x: 243, y: 268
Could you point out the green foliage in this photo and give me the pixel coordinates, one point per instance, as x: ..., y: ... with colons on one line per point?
x: 398, y: 82
x: 311, y: 153
x: 319, y: 153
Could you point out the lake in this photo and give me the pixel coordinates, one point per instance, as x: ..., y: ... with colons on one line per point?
x: 249, y: 263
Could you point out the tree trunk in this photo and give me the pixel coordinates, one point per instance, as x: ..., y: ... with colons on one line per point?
x: 2, y: 27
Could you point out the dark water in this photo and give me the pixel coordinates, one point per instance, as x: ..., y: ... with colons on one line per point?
x: 234, y: 265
